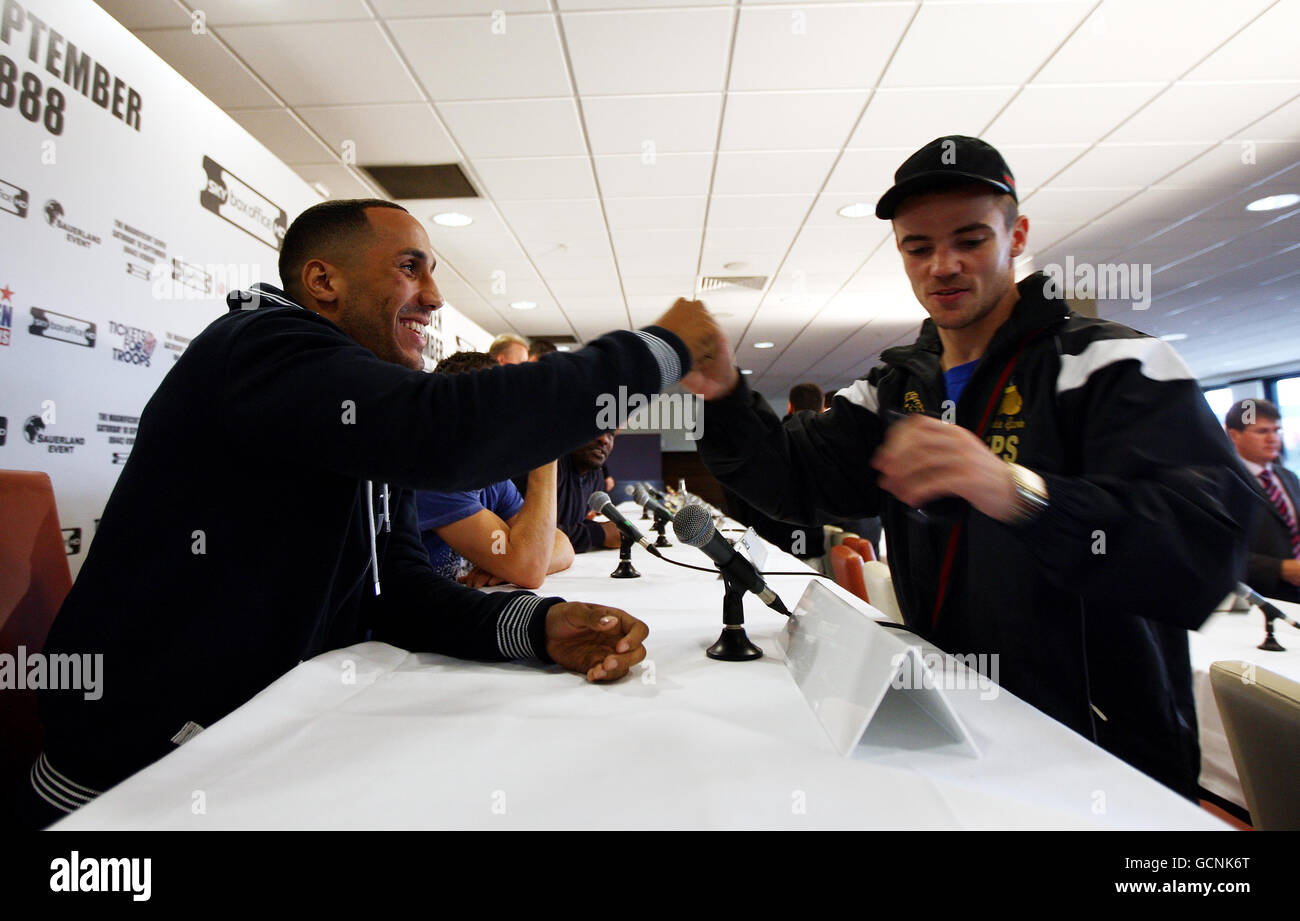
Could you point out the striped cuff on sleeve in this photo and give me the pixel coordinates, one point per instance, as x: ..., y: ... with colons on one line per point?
x: 61, y: 792
x: 670, y: 365
x: 521, y: 627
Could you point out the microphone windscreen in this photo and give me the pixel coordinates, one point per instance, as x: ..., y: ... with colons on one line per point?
x: 693, y: 526
x: 628, y: 490
x: 640, y: 495
x: 598, y: 501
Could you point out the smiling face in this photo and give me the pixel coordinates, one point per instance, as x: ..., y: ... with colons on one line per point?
x: 382, y: 294
x: 959, y: 255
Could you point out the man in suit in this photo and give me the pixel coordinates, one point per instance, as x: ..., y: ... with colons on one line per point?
x: 1255, y: 427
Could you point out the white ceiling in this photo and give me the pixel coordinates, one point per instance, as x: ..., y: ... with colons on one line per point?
x: 623, y: 148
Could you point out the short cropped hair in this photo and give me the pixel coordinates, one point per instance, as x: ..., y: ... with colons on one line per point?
x: 461, y: 362
x: 503, y: 342
x: 806, y: 396
x: 321, y: 231
x: 1251, y: 409
x: 541, y: 347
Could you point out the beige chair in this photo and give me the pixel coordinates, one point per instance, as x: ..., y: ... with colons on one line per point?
x: 1261, y: 718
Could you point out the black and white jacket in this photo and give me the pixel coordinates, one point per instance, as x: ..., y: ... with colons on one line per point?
x: 1086, y: 606
x: 267, y: 514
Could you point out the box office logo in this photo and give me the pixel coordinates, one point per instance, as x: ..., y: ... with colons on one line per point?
x: 13, y: 199
x: 51, y: 325
x: 230, y: 198
x: 71, y: 541
x: 137, y: 344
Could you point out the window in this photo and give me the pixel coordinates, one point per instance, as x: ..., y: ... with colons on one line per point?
x: 1221, y: 401
x: 1288, y: 402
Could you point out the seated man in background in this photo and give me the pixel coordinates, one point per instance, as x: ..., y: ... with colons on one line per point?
x: 508, y: 349
x: 1273, y: 567
x: 492, y: 535
x: 578, y: 475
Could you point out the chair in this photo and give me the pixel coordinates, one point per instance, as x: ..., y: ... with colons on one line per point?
x: 846, y: 564
x: 34, y: 578
x: 860, y: 544
x: 1261, y: 718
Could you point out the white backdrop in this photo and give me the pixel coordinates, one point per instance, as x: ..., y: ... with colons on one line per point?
x: 128, y: 204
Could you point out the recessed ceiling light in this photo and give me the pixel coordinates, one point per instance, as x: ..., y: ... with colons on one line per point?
x: 561, y: 348
x: 1173, y: 337
x: 735, y: 266
x: 452, y: 219
x: 1274, y: 202
x: 524, y: 305
x: 746, y: 371
x: 721, y: 314
x: 321, y: 188
x: 764, y: 345
x: 857, y: 209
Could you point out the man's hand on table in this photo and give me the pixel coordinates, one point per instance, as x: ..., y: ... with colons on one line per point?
x: 598, y: 641
x: 480, y: 578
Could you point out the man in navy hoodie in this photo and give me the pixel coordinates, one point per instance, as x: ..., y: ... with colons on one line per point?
x: 266, y: 514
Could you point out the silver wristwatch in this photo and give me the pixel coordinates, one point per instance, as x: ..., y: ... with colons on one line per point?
x: 1031, y: 494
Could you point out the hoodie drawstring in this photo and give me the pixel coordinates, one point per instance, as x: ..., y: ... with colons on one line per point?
x: 370, y: 516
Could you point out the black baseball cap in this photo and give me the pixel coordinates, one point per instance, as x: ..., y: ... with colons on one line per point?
x: 946, y: 161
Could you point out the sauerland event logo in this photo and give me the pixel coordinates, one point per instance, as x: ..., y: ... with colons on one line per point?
x: 229, y: 197
x: 137, y: 344
x: 50, y: 325
x: 34, y: 433
x: 54, y: 217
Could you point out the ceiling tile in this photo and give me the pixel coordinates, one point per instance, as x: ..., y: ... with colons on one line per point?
x: 530, y: 180
x: 245, y: 12
x: 648, y: 51
x: 516, y: 128
x: 469, y: 58
x: 651, y: 125
x: 1079, y: 114
x: 1221, y: 110
x: 771, y: 172
x: 655, y: 213
x: 913, y: 117
x: 666, y: 175
x: 289, y: 58
x: 1262, y: 51
x: 283, y: 136
x: 937, y: 51
x: 1126, y: 165
x: 340, y: 182
x: 815, y: 47
x: 758, y: 210
x: 383, y: 134
x: 147, y: 14
x: 790, y: 121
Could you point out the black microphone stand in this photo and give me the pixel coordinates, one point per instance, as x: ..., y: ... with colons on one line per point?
x: 1270, y: 643
x: 659, y: 525
x: 733, y: 643
x: 625, y: 569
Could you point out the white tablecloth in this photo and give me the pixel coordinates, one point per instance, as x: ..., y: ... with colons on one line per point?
x: 376, y: 737
x: 1234, y: 637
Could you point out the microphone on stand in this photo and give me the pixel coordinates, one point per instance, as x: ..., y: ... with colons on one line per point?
x: 600, y: 504
x: 693, y: 526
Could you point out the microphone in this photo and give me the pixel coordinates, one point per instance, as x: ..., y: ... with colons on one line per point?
x: 693, y: 526
x: 654, y: 492
x: 643, y: 499
x: 1271, y: 612
x: 599, y: 503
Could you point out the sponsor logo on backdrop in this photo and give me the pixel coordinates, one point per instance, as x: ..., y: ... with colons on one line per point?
x: 54, y: 217
x: 6, y: 314
x: 143, y: 251
x: 137, y: 344
x: 34, y: 432
x: 4, y: 429
x: 229, y: 197
x: 119, y: 457
x: 176, y: 344
x: 51, y: 325
x: 71, y: 541
x: 191, y: 276
x: 13, y: 199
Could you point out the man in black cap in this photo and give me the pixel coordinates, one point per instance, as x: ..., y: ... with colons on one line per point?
x: 1054, y: 489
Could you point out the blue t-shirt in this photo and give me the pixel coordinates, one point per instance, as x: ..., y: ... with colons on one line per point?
x: 438, y: 509
x: 956, y: 378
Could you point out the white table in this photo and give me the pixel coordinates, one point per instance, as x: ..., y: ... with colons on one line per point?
x: 1234, y: 637
x: 425, y: 741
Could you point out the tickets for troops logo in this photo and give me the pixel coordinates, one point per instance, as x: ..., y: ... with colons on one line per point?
x: 137, y: 344
x: 229, y: 197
